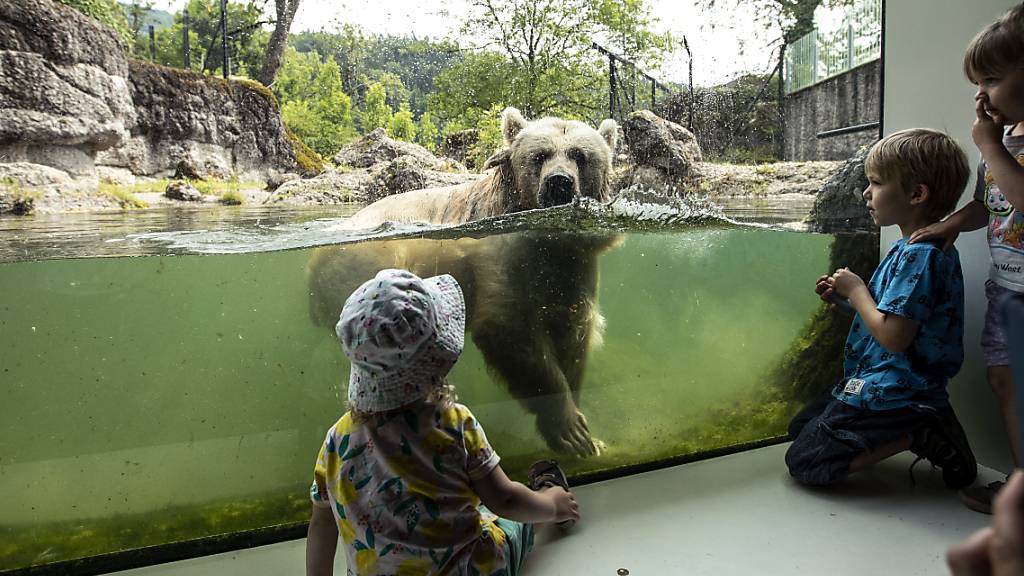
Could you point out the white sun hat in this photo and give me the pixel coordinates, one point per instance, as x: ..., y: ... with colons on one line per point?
x: 402, y: 334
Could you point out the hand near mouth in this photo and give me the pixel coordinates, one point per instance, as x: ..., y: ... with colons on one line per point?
x: 988, y: 125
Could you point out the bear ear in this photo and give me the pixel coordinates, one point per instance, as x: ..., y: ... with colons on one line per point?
x: 512, y: 122
x: 498, y: 159
x: 609, y: 130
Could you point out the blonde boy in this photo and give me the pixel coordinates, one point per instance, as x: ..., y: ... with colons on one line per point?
x: 906, y: 340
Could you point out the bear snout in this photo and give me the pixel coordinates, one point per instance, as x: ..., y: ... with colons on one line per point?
x: 558, y: 188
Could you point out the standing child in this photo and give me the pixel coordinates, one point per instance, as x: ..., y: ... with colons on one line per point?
x: 402, y: 474
x: 995, y: 63
x: 905, y: 342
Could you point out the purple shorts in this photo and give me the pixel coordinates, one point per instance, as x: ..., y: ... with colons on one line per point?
x: 993, y: 335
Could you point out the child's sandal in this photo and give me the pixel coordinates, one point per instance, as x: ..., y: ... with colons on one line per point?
x: 549, y: 473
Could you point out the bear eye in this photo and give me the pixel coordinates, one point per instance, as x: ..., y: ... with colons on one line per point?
x: 539, y: 157
x: 577, y: 156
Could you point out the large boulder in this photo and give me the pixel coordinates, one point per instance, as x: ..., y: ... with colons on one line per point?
x: 373, y: 167
x: 659, y: 143
x: 63, y: 86
x: 840, y: 204
x: 377, y: 147
x: 71, y: 100
x: 210, y: 127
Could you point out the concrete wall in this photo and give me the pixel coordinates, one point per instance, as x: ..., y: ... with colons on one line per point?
x: 849, y: 99
x: 924, y: 86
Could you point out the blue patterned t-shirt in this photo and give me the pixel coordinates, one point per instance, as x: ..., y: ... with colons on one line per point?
x: 921, y: 283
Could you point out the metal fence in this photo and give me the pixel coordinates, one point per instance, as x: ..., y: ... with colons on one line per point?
x: 818, y: 56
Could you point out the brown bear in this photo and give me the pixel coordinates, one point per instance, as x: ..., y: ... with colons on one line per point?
x: 530, y: 295
x: 544, y: 163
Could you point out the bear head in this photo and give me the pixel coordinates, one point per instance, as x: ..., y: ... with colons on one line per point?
x: 550, y: 161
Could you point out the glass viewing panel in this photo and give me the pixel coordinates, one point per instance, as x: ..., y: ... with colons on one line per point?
x: 168, y: 374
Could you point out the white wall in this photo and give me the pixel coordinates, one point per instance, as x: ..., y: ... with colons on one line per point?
x: 924, y: 86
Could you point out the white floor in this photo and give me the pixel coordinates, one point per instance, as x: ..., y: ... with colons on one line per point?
x: 738, y: 514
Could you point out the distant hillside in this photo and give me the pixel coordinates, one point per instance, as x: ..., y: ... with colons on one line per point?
x: 158, y: 18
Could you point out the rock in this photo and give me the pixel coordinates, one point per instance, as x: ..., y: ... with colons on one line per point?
x: 183, y: 190
x: 459, y: 145
x: 71, y: 99
x: 16, y: 201
x: 63, y: 86
x: 377, y: 147
x: 840, y: 204
x: 366, y: 184
x: 400, y: 175
x: 654, y: 141
x: 331, y: 187
x: 219, y: 128
x: 275, y: 179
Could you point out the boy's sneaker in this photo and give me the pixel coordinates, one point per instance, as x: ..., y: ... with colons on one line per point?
x: 979, y: 498
x: 944, y: 443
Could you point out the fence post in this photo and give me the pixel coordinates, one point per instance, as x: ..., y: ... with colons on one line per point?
x: 814, y: 57
x: 224, y: 36
x: 611, y: 87
x: 152, y: 43
x: 851, y: 55
x: 186, y: 56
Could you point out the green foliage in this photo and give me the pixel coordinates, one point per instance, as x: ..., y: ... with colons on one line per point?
x: 402, y: 126
x: 427, y: 132
x: 734, y: 122
x: 405, y: 65
x: 108, y: 12
x: 247, y: 39
x: 551, y: 67
x: 465, y: 91
x: 309, y: 162
x: 124, y: 196
x: 316, y: 107
x: 375, y: 113
x: 232, y: 198
x: 489, y: 139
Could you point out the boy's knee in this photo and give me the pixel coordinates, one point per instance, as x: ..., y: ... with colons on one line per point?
x: 809, y: 461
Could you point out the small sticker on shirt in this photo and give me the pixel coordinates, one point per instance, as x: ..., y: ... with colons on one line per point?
x: 853, y: 386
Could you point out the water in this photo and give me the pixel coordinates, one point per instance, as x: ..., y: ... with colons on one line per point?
x: 184, y: 393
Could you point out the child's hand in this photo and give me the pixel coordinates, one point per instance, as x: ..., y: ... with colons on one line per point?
x: 941, y: 230
x: 566, y: 507
x: 844, y: 283
x: 987, y: 129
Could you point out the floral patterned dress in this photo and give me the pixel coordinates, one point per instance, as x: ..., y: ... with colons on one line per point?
x: 399, y: 486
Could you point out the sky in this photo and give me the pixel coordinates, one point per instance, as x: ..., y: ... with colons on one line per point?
x: 724, y: 44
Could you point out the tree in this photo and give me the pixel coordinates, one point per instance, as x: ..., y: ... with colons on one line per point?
x: 427, y: 133
x: 278, y: 40
x: 793, y: 19
x: 402, y: 126
x: 375, y: 113
x: 547, y: 43
x: 314, y: 105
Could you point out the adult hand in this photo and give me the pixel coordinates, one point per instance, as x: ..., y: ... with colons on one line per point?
x: 999, y: 549
x: 988, y: 128
x: 939, y: 230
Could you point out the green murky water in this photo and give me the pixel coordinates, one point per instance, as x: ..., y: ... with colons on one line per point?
x: 162, y: 398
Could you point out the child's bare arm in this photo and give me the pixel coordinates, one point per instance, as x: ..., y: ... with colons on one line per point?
x: 321, y: 543
x: 972, y: 216
x: 515, y: 501
x: 1007, y: 173
x: 893, y: 332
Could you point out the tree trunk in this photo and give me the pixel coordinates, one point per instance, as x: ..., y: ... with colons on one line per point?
x: 278, y: 41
